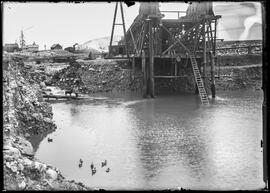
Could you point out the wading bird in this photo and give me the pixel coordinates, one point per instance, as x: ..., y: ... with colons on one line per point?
x: 92, y: 165
x: 94, y: 171
x: 104, y: 163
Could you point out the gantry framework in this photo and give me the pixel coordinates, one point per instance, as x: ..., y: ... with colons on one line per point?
x: 153, y: 37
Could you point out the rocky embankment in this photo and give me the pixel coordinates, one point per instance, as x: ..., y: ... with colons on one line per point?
x: 244, y: 77
x: 99, y: 76
x: 26, y: 114
x: 93, y: 76
x: 227, y: 78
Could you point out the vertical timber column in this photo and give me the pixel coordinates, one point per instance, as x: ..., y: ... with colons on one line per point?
x: 151, y: 60
x: 124, y: 29
x: 213, y: 87
x: 133, y: 68
x: 215, y: 38
x: 214, y: 62
x: 204, y: 52
x: 144, y: 75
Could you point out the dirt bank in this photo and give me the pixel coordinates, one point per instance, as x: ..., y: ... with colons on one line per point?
x: 98, y: 76
x: 93, y: 76
x: 244, y: 77
x: 239, y: 60
x: 25, y: 114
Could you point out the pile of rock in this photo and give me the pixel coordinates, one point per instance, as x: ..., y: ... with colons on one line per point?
x: 95, y: 76
x: 239, y: 51
x: 240, y: 78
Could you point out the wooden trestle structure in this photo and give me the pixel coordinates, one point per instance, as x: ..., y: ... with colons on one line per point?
x: 187, y: 40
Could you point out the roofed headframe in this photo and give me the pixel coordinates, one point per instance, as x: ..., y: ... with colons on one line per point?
x: 199, y: 9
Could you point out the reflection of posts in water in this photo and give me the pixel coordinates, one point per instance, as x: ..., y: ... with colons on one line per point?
x: 151, y: 60
x: 74, y: 110
x: 144, y: 73
x: 213, y: 88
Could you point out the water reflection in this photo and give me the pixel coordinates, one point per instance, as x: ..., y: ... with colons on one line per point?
x: 73, y: 110
x: 167, y: 142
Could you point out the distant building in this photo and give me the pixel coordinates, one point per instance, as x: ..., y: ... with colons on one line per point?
x: 56, y: 47
x: 31, y: 48
x: 11, y: 47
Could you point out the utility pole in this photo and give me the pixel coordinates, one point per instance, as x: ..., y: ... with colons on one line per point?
x: 22, y: 41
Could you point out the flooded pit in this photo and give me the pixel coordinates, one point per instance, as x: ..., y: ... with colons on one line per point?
x: 166, y: 142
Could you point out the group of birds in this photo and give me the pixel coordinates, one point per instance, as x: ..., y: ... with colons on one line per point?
x: 93, y: 168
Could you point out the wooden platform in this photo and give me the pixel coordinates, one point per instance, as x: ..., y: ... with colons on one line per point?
x: 62, y: 97
x: 67, y: 97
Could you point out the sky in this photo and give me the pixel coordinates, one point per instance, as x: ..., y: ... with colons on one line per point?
x: 70, y: 23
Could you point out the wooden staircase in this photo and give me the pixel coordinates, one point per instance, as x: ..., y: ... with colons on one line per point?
x: 198, y: 79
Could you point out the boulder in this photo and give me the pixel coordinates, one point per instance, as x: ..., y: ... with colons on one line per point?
x: 40, y: 166
x: 51, y: 174
x: 12, y: 166
x: 25, y: 147
x: 27, y: 162
x: 22, y: 185
x: 11, y: 151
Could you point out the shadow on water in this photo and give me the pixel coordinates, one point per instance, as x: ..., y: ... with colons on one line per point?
x: 35, y: 140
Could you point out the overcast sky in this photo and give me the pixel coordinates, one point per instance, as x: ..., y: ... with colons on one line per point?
x: 69, y: 23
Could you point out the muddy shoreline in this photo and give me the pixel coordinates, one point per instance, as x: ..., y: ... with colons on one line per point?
x: 26, y: 114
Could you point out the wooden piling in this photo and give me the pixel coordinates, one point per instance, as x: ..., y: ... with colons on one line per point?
x: 151, y: 61
x: 175, y: 69
x: 133, y: 68
x: 204, y: 52
x: 213, y: 87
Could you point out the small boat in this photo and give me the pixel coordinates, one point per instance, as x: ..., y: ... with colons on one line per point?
x: 50, y: 139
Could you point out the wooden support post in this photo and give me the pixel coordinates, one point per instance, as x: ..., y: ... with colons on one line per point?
x: 151, y: 60
x: 114, y: 17
x: 124, y: 29
x: 144, y: 89
x: 175, y: 69
x: 213, y: 88
x: 249, y: 49
x: 215, y: 38
x: 218, y: 62
x: 204, y: 52
x: 142, y: 39
x: 133, y: 68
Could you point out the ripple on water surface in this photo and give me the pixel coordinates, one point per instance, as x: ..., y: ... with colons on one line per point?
x: 166, y: 142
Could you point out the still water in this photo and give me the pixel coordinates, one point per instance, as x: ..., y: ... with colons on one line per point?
x: 166, y: 142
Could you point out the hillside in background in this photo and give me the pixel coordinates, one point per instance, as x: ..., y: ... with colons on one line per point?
x: 100, y: 44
